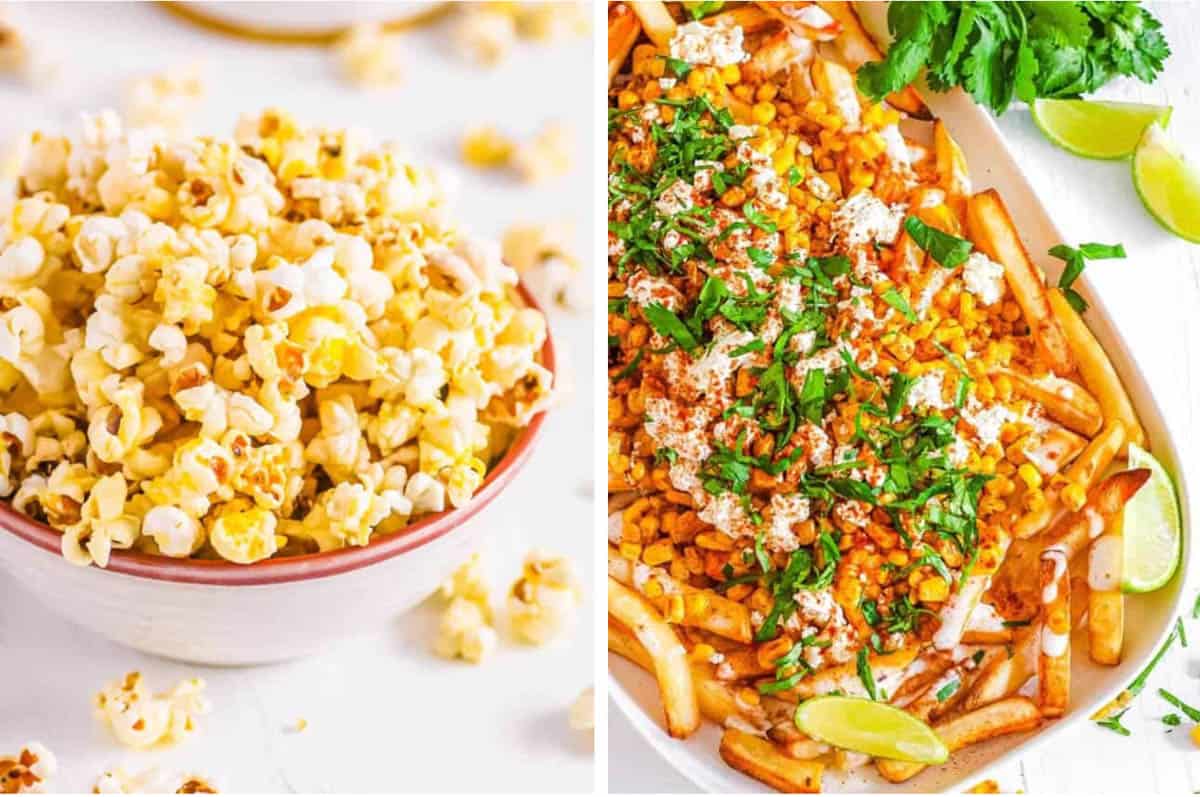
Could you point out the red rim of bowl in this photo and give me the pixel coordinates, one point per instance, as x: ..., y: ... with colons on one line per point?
x: 315, y: 565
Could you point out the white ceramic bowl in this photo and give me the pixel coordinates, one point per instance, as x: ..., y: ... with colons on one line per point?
x: 211, y: 612
x: 1148, y: 617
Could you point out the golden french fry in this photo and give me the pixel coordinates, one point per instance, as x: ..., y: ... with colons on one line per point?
x: 856, y: 48
x: 623, y: 31
x: 1097, y: 370
x: 760, y: 759
x: 1013, y: 715
x: 1064, y: 401
x: 719, y: 615
x: 667, y: 653
x: 774, y: 55
x: 1084, y: 471
x: 622, y: 642
x: 951, y: 167
x: 749, y: 18
x: 795, y: 25
x: 836, y: 86
x: 888, y: 668
x: 1106, y: 603
x: 944, y: 695
x: 1006, y: 674
x: 993, y: 231
x: 990, y: 636
x: 741, y: 664
x: 1074, y: 530
x: 656, y: 20
x: 1054, y: 646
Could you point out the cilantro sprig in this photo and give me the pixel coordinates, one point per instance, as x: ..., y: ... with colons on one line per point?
x: 1000, y: 50
x: 1076, y: 260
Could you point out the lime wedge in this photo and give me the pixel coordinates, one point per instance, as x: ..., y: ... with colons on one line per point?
x: 877, y: 729
x: 1152, y: 528
x: 1168, y: 184
x: 1105, y: 130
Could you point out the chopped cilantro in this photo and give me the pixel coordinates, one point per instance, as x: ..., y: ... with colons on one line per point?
x: 865, y: 674
x: 1076, y: 260
x: 896, y: 299
x: 948, y: 250
x: 948, y: 690
x: 1191, y: 713
x: 631, y: 366
x: 1113, y: 723
x: 668, y: 325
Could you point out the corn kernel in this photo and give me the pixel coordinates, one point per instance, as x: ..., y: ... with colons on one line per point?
x: 1074, y: 497
x: 658, y: 553
x: 933, y: 590
x: 731, y: 74
x: 1030, y: 475
x: 702, y: 652
x: 674, y: 609
x: 630, y: 550
x: 763, y: 113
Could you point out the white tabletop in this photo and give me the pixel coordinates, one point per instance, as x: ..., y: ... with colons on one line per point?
x: 1154, y: 296
x: 383, y: 713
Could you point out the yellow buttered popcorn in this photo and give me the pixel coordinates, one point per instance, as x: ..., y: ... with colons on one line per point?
x: 252, y: 346
x: 464, y: 632
x: 153, y: 781
x: 543, y: 601
x: 140, y: 719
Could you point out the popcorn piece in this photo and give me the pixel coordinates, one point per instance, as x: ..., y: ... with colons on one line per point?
x: 28, y: 771
x: 367, y: 56
x: 485, y: 34
x: 486, y: 147
x: 168, y: 100
x: 541, y: 255
x: 582, y: 716
x: 153, y: 781
x: 546, y: 156
x: 542, y: 603
x: 469, y: 582
x: 245, y: 536
x: 464, y: 633
x: 547, y: 22
x: 140, y: 720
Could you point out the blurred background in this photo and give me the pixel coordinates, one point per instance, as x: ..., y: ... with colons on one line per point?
x: 499, y: 100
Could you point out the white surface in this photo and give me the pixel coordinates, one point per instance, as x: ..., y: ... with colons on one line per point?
x: 383, y: 713
x: 1154, y: 298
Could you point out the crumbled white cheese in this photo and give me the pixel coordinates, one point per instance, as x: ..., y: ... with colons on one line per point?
x: 987, y: 421
x: 959, y: 452
x: 710, y: 374
x: 863, y: 219
x: 740, y: 132
x: 715, y: 45
x: 984, y: 278
x: 897, y: 149
x: 819, y: 188
x: 726, y: 514
x: 937, y: 280
x: 683, y: 428
x: 786, y: 511
x: 644, y: 289
x: 666, y: 83
x: 812, y: 16
x: 677, y: 198
x: 926, y: 392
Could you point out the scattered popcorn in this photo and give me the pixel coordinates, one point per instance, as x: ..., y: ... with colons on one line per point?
x: 552, y: 21
x: 485, y: 147
x: 542, y: 603
x: 14, y: 53
x: 464, y: 633
x: 582, y: 716
x: 169, y: 100
x: 547, y: 156
x: 140, y: 720
x: 248, y: 347
x: 469, y: 582
x: 485, y: 34
x: 367, y: 56
x: 28, y: 771
x: 540, y: 254
x: 152, y: 781
x: 299, y: 726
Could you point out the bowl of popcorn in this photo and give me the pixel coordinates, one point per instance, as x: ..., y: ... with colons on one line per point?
x: 250, y: 385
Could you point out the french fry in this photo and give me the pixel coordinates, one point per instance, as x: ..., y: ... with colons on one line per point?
x: 836, y: 86
x: 1054, y: 646
x: 623, y: 30
x: 1074, y: 530
x: 622, y: 642
x: 992, y: 230
x: 719, y: 615
x: 763, y: 761
x: 1064, y: 401
x: 749, y: 18
x: 943, y: 696
x: 990, y: 636
x: 1012, y: 715
x: 1106, y: 603
x: 793, y: 24
x: 887, y: 667
x: 1097, y: 370
x: 1006, y: 674
x: 1084, y: 470
x: 656, y: 20
x: 951, y: 167
x: 1056, y: 448
x: 668, y: 655
x: 856, y: 48
x: 774, y: 55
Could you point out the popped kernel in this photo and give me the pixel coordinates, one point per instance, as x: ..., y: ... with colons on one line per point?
x: 367, y: 56
x: 140, y: 719
x: 542, y: 602
x: 28, y: 771
x: 153, y: 781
